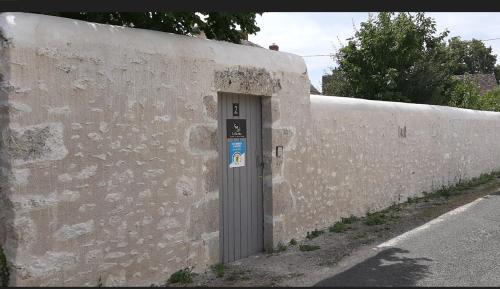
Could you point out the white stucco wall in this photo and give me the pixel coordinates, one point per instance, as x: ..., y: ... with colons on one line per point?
x: 365, y: 155
x: 109, y: 154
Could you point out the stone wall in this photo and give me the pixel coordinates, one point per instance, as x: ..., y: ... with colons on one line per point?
x: 108, y: 154
x: 363, y: 155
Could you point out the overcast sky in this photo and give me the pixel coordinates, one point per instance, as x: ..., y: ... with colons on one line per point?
x: 323, y: 33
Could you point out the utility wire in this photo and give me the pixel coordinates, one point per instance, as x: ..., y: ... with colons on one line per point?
x: 490, y: 39
x: 330, y: 55
x: 317, y: 55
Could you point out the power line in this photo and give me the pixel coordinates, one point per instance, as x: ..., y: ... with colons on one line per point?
x: 490, y: 39
x: 317, y: 55
x: 330, y: 55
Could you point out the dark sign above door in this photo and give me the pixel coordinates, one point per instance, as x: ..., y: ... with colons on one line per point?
x: 236, y: 128
x: 236, y: 109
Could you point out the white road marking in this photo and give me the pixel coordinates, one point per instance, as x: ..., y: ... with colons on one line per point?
x: 404, y: 236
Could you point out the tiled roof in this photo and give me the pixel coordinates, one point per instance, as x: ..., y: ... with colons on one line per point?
x: 484, y: 81
x: 313, y: 90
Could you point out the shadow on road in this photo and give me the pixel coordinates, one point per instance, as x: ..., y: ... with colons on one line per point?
x: 383, y: 269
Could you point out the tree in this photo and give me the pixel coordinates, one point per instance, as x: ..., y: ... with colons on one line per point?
x: 336, y: 84
x: 490, y: 100
x: 397, y: 57
x: 471, y: 56
x: 216, y: 25
x: 463, y: 94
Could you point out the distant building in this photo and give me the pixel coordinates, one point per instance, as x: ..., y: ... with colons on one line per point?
x: 484, y: 81
x: 313, y: 90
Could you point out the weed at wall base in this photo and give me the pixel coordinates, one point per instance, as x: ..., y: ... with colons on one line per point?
x: 281, y: 247
x: 338, y: 227
x: 183, y: 276
x: 219, y: 270
x: 314, y: 234
x: 375, y: 219
x: 4, y: 269
x: 349, y: 220
x: 446, y: 192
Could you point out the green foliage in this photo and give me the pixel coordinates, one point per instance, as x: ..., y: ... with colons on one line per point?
x: 401, y: 57
x: 219, y: 269
x: 412, y: 200
x: 337, y: 84
x: 343, y: 224
x: 281, y: 247
x: 471, y: 56
x: 4, y: 269
x: 446, y: 192
x: 463, y: 94
x: 293, y: 242
x: 377, y: 218
x: 490, y: 100
x: 306, y: 247
x: 482, y: 179
x: 349, y: 220
x: 229, y: 26
x: 394, y: 207
x: 314, y: 234
x: 338, y: 227
x: 396, y: 57
x: 443, y: 192
x: 183, y: 276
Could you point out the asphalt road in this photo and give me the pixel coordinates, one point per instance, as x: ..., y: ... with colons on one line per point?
x: 460, y: 248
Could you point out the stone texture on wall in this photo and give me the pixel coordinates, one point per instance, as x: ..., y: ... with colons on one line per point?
x: 109, y: 154
x: 364, y: 155
x: 109, y: 148
x: 484, y: 81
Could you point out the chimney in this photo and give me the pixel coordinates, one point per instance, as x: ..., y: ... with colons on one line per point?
x: 274, y: 47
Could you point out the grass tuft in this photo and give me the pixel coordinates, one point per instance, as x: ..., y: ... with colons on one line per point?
x: 338, y: 227
x: 184, y: 276
x: 314, y: 234
x: 219, y: 269
x: 349, y: 220
x: 376, y: 218
x: 281, y: 247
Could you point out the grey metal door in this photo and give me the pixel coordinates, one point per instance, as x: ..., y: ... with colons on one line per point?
x: 240, y: 177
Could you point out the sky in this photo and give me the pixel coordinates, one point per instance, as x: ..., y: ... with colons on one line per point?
x: 323, y: 33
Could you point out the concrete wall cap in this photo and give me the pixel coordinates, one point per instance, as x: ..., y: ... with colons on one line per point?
x: 332, y: 103
x: 37, y: 30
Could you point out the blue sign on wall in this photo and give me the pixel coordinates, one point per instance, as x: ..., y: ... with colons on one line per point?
x: 237, y: 151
